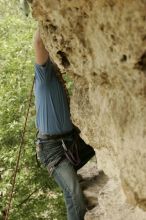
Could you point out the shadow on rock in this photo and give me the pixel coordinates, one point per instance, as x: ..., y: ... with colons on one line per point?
x: 91, y: 186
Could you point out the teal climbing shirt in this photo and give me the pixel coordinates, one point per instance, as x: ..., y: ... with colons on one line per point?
x: 52, y: 110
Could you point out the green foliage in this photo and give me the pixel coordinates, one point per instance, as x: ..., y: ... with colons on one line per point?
x: 36, y: 195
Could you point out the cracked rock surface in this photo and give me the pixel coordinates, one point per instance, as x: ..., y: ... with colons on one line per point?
x: 101, y: 44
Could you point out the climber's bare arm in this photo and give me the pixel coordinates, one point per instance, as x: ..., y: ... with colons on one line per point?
x: 41, y: 54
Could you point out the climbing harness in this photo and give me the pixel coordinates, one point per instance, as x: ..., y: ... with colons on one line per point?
x: 19, y: 154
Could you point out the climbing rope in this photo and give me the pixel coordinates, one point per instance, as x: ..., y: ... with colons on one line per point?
x: 19, y: 154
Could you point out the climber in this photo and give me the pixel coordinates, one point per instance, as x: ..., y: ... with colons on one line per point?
x: 55, y: 126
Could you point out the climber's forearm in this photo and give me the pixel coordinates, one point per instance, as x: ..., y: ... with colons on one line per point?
x: 41, y: 54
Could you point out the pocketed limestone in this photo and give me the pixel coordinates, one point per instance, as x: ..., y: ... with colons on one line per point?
x: 101, y: 44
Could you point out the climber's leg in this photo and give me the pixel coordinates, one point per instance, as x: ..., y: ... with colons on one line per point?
x: 67, y: 179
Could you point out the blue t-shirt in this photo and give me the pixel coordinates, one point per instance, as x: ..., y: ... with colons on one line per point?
x: 52, y: 110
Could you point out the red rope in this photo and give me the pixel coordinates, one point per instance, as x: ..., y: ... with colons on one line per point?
x: 19, y: 154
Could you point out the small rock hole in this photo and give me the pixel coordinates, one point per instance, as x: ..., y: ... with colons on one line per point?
x: 64, y: 59
x: 123, y: 58
x: 144, y: 38
x: 113, y: 37
x: 102, y: 27
x: 53, y: 27
x: 141, y: 64
x: 94, y: 74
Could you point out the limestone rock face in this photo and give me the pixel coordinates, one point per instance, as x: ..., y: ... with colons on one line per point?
x: 101, y: 44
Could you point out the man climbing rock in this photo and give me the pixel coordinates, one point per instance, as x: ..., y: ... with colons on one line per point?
x: 55, y: 130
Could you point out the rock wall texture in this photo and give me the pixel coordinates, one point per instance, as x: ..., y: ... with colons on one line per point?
x: 101, y: 44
